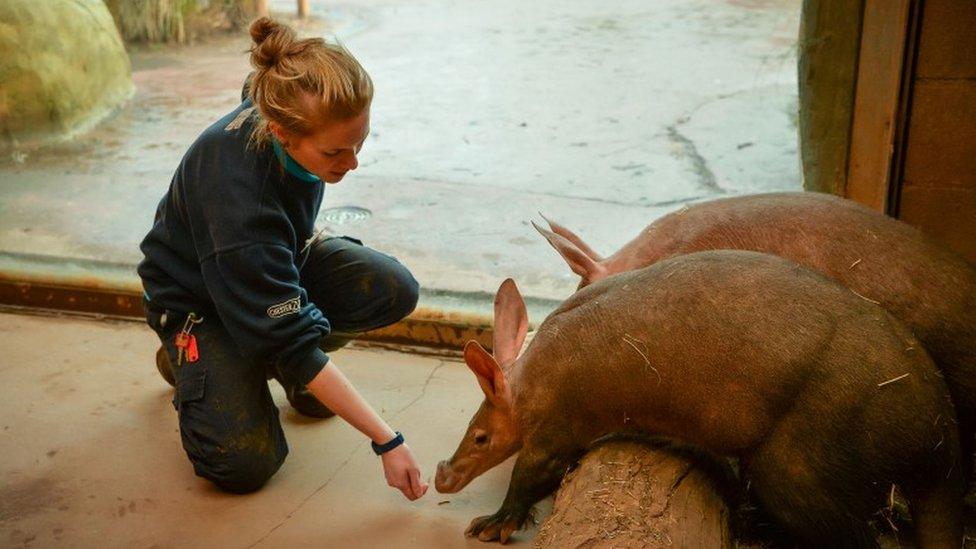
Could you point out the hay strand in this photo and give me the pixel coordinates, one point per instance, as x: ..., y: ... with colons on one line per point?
x: 892, y: 380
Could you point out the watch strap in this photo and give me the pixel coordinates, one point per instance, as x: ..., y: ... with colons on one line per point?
x: 381, y: 449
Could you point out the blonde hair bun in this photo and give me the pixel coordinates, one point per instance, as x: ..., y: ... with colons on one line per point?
x: 272, y: 41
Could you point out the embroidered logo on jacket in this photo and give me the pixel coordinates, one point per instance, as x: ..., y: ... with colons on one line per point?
x: 289, y: 307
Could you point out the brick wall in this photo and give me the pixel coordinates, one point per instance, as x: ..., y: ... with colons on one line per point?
x: 938, y: 190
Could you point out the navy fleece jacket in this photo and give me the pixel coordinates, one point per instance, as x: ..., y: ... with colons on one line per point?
x: 228, y: 239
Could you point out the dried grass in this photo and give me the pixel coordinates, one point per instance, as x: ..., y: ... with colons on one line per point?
x: 176, y: 21
x: 632, y: 341
x: 892, y: 380
x: 866, y: 298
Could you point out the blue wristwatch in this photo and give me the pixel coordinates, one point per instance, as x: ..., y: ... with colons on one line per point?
x: 381, y: 449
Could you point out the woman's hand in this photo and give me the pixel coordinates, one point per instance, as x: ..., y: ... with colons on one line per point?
x: 403, y: 472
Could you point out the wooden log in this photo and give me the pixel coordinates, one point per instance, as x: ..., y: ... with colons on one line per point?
x: 627, y: 493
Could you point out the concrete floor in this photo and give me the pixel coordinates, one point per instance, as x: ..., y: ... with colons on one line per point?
x: 92, y: 457
x: 601, y: 115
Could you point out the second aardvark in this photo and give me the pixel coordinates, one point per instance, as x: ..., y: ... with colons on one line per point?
x: 929, y: 288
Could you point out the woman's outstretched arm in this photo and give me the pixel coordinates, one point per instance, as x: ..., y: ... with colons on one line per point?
x: 335, y: 391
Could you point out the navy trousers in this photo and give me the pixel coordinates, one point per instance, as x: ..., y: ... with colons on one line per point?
x: 228, y: 421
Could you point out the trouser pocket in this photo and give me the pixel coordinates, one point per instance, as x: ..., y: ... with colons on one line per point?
x: 188, y: 401
x: 191, y: 381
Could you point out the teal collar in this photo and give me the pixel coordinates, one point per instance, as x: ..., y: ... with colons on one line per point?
x: 291, y: 166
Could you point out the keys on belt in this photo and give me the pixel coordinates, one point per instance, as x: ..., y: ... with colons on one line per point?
x: 186, y: 343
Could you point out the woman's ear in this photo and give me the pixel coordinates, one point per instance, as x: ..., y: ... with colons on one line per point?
x: 278, y: 133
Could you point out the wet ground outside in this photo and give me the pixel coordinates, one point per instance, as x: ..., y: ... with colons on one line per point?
x: 602, y: 116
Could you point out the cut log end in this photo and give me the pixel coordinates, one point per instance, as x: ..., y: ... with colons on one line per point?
x: 632, y: 494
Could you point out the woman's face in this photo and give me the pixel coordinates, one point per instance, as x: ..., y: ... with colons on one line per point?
x: 330, y: 152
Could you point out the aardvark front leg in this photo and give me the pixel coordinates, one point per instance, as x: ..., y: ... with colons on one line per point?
x: 536, y: 475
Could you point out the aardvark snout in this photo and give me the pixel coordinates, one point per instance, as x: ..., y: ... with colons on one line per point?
x: 446, y: 481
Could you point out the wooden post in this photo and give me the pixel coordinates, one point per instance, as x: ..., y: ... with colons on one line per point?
x: 629, y: 494
x: 877, y: 99
x: 830, y: 33
x: 303, y: 8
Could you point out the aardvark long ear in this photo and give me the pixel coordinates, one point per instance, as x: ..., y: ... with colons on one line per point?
x: 486, y: 369
x: 511, y: 323
x: 572, y: 237
x: 578, y: 261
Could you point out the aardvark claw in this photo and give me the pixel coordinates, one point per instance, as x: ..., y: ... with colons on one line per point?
x: 499, y: 527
